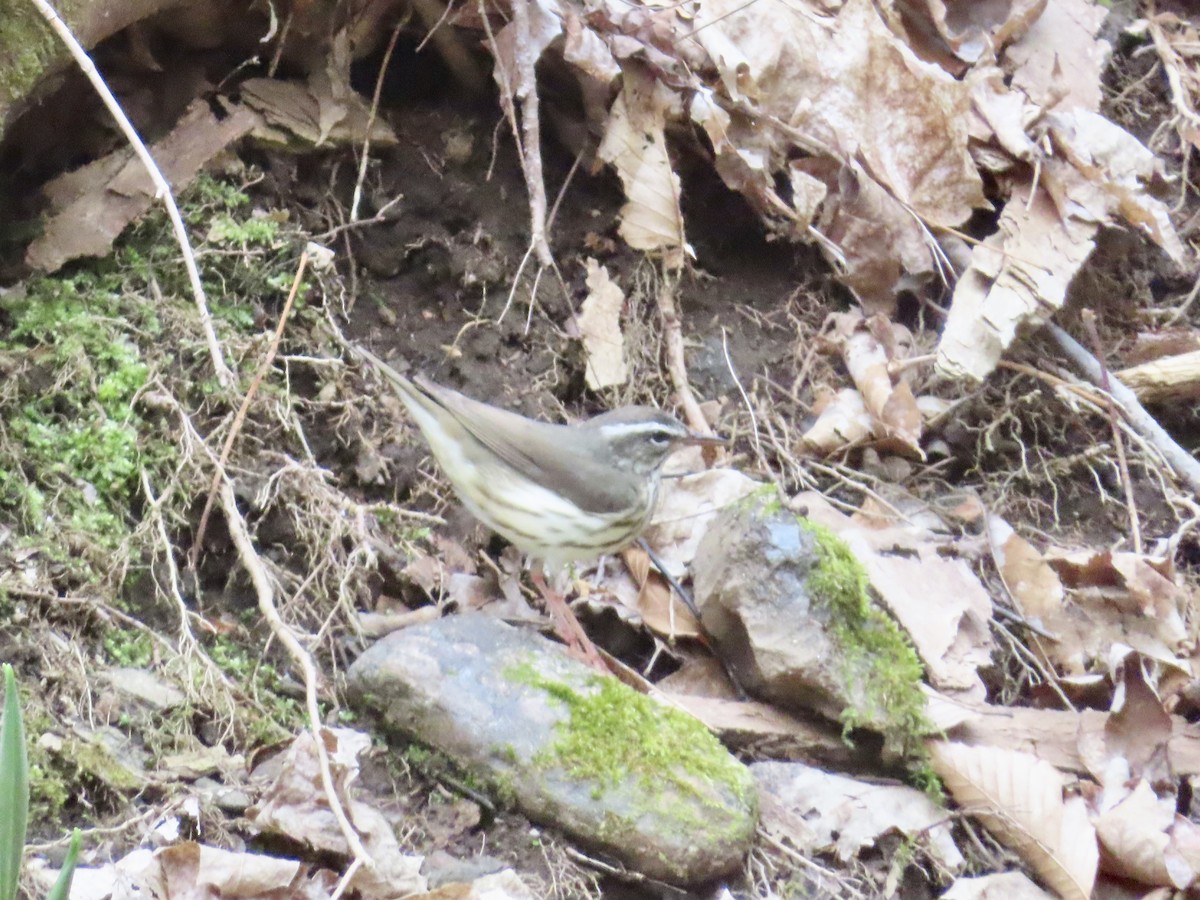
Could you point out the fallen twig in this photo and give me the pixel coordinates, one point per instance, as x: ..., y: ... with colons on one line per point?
x: 1135, y: 528
x: 365, y: 153
x: 1181, y: 462
x: 527, y: 134
x: 264, y: 589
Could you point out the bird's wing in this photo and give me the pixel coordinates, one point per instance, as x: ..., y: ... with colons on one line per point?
x: 544, y: 454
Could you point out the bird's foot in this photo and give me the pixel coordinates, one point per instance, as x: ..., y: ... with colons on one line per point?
x: 567, y: 626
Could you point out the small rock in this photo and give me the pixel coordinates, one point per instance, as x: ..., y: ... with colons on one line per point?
x: 440, y: 868
x: 146, y: 686
x: 786, y: 605
x: 751, y: 576
x: 620, y: 772
x: 230, y: 799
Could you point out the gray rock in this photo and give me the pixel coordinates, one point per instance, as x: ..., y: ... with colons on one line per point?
x: 618, y: 771
x: 751, y: 577
x: 786, y: 605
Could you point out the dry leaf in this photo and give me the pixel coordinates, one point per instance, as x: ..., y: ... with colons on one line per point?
x: 1019, y: 798
x: 1059, y: 60
x: 886, y: 133
x: 972, y: 29
x: 635, y: 144
x: 92, y: 205
x: 1018, y: 278
x: 505, y: 885
x: 817, y: 811
x: 890, y: 403
x: 1100, y: 172
x: 1028, y: 577
x: 599, y: 323
x: 843, y: 421
x: 937, y: 599
x: 1059, y: 737
x: 294, y: 803
x: 191, y: 871
x: 686, y: 505
x: 1000, y: 886
x: 662, y: 611
x: 944, y: 610
x: 1144, y: 840
x: 748, y: 723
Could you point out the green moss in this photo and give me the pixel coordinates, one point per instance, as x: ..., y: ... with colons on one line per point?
x: 283, y: 715
x: 28, y: 47
x: 131, y: 649
x: 72, y: 440
x: 614, y: 733
x: 881, y: 666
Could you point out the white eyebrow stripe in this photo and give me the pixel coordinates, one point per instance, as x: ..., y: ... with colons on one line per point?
x: 638, y: 428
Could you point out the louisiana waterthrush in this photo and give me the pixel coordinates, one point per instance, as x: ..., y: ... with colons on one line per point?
x: 561, y: 493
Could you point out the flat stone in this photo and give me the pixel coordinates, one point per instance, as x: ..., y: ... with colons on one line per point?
x: 618, y: 771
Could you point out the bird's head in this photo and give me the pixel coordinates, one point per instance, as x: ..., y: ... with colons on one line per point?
x: 640, y: 438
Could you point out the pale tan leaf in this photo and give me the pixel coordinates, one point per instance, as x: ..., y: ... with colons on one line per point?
x: 944, y: 610
x: 1018, y: 278
x: 886, y: 133
x: 842, y: 422
x: 1059, y: 60
x: 1033, y: 582
x: 1019, y: 798
x: 685, y: 507
x: 599, y: 323
x: 818, y: 811
x: 1000, y: 886
x: 191, y: 871
x: 1135, y: 839
x: 890, y: 404
x: 1007, y: 113
x: 1100, y: 171
x: 635, y: 144
x: 294, y: 803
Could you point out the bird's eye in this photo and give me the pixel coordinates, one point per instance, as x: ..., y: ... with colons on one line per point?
x: 660, y: 439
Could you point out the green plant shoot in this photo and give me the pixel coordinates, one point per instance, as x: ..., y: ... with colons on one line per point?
x: 14, y: 788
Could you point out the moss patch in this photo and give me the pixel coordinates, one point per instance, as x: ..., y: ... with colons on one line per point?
x: 614, y: 733
x: 881, y: 665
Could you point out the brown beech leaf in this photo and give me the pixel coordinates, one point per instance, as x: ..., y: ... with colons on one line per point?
x: 1019, y: 798
x: 661, y: 610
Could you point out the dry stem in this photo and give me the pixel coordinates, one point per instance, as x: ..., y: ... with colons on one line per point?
x: 236, y: 427
x: 1181, y: 462
x: 676, y: 363
x: 162, y: 190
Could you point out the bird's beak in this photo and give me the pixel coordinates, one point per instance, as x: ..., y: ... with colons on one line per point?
x: 697, y: 439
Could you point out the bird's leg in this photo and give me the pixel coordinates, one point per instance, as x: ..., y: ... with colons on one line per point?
x: 566, y: 626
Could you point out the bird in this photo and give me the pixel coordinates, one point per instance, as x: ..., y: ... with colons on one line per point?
x: 560, y: 493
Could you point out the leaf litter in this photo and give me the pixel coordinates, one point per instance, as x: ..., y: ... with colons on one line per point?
x: 878, y: 139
